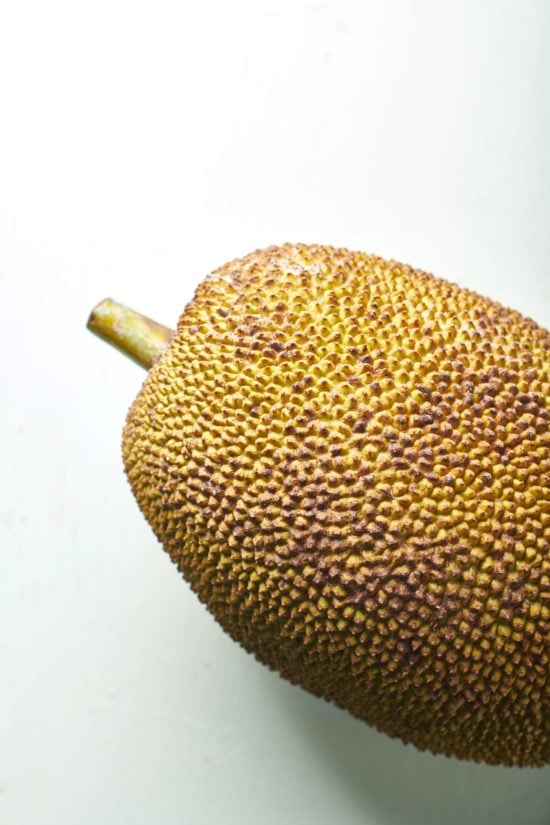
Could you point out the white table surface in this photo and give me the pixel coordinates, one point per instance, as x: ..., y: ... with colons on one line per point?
x: 141, y: 145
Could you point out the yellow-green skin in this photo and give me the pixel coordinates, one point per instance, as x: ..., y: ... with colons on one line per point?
x: 349, y: 462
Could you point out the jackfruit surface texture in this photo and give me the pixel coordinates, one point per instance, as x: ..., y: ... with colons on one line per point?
x: 349, y: 462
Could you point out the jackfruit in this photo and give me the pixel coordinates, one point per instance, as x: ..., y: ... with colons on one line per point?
x: 349, y: 462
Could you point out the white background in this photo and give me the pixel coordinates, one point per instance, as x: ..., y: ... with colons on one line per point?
x: 141, y: 145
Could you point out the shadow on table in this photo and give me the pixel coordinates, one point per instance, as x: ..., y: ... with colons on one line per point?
x: 402, y: 786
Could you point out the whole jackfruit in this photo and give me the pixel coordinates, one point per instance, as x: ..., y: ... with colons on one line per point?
x: 349, y: 462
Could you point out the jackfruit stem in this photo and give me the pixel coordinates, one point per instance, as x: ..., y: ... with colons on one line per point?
x: 137, y: 336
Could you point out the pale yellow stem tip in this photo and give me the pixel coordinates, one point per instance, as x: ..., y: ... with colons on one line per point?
x: 134, y: 334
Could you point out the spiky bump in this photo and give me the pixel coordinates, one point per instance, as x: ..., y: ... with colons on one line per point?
x: 349, y: 462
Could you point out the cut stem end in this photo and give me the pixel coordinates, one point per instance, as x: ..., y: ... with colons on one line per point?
x: 137, y: 336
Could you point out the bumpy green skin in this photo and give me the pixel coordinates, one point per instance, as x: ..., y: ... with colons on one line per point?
x: 349, y: 461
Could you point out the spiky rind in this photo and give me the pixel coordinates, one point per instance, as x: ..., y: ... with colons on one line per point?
x: 349, y: 461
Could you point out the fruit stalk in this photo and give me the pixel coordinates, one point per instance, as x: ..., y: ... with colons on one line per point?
x: 136, y: 335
